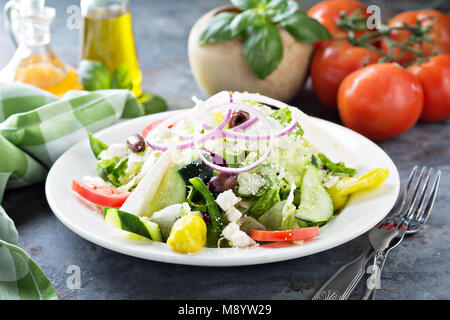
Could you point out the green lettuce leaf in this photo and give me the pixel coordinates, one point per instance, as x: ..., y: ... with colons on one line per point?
x: 116, y: 175
x: 265, y: 202
x: 285, y: 116
x: 97, y: 146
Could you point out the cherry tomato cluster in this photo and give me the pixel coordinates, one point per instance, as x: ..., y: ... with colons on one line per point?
x: 381, y: 90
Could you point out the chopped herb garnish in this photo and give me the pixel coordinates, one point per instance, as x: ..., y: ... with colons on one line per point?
x: 335, y: 167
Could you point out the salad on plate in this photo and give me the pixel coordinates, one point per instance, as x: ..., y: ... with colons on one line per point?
x: 233, y: 171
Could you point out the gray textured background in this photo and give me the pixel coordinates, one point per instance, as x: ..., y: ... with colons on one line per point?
x: 418, y: 269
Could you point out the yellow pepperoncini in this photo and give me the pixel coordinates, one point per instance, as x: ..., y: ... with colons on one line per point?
x: 342, y: 190
x: 188, y: 234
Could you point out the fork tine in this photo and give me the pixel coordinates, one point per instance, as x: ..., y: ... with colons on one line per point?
x: 412, y: 203
x: 426, y: 214
x: 401, y: 200
x: 422, y: 198
x: 397, y: 219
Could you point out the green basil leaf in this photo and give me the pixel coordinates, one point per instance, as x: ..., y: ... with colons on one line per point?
x: 281, y: 9
x: 263, y: 49
x: 152, y: 103
x: 304, y: 28
x: 94, y: 75
x: 244, y: 20
x: 218, y: 29
x: 122, y: 78
x: 246, y: 4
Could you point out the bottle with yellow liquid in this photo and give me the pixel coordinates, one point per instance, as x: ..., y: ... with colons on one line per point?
x: 34, y: 61
x: 107, y: 36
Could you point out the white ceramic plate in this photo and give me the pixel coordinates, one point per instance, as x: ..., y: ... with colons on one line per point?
x: 364, y: 210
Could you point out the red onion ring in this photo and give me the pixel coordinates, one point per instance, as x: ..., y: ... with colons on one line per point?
x: 219, y: 132
x: 240, y: 127
x: 245, y: 125
x: 250, y: 166
x: 185, y: 145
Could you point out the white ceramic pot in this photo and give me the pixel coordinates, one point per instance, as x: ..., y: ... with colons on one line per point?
x: 222, y: 66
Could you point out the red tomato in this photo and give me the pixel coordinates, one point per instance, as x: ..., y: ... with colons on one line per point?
x: 380, y: 101
x: 332, y: 63
x: 328, y: 12
x: 440, y: 33
x: 285, y: 235
x: 278, y: 244
x: 153, y: 125
x: 434, y: 75
x: 101, y: 195
x: 150, y: 127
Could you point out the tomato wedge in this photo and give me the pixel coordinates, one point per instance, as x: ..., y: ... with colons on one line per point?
x: 101, y: 195
x: 285, y: 235
x: 152, y: 125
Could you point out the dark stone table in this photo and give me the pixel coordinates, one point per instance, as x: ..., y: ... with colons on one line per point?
x: 418, y: 269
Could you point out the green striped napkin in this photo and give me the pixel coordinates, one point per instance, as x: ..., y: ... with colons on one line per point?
x: 36, y: 127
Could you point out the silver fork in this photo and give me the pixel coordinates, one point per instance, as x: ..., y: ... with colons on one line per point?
x: 417, y: 215
x: 343, y: 282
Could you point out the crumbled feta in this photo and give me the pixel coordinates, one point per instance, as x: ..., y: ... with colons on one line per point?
x: 233, y: 214
x: 236, y: 237
x: 230, y: 228
x: 250, y: 183
x: 241, y: 240
x: 227, y: 199
x: 115, y: 150
x: 94, y: 181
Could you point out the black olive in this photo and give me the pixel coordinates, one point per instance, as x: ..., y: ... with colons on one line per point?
x: 238, y: 118
x: 136, y: 143
x: 206, y: 217
x: 222, y: 182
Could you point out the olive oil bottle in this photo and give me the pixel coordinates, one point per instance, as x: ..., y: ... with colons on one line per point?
x: 107, y: 36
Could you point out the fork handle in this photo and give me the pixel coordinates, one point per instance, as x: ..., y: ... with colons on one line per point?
x: 342, y: 283
x: 378, y: 263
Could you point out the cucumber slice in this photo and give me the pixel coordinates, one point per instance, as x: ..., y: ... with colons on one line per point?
x: 172, y: 190
x: 316, y: 205
x: 132, y: 223
x: 196, y: 169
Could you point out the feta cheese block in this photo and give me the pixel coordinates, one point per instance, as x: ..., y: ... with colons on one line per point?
x: 227, y: 199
